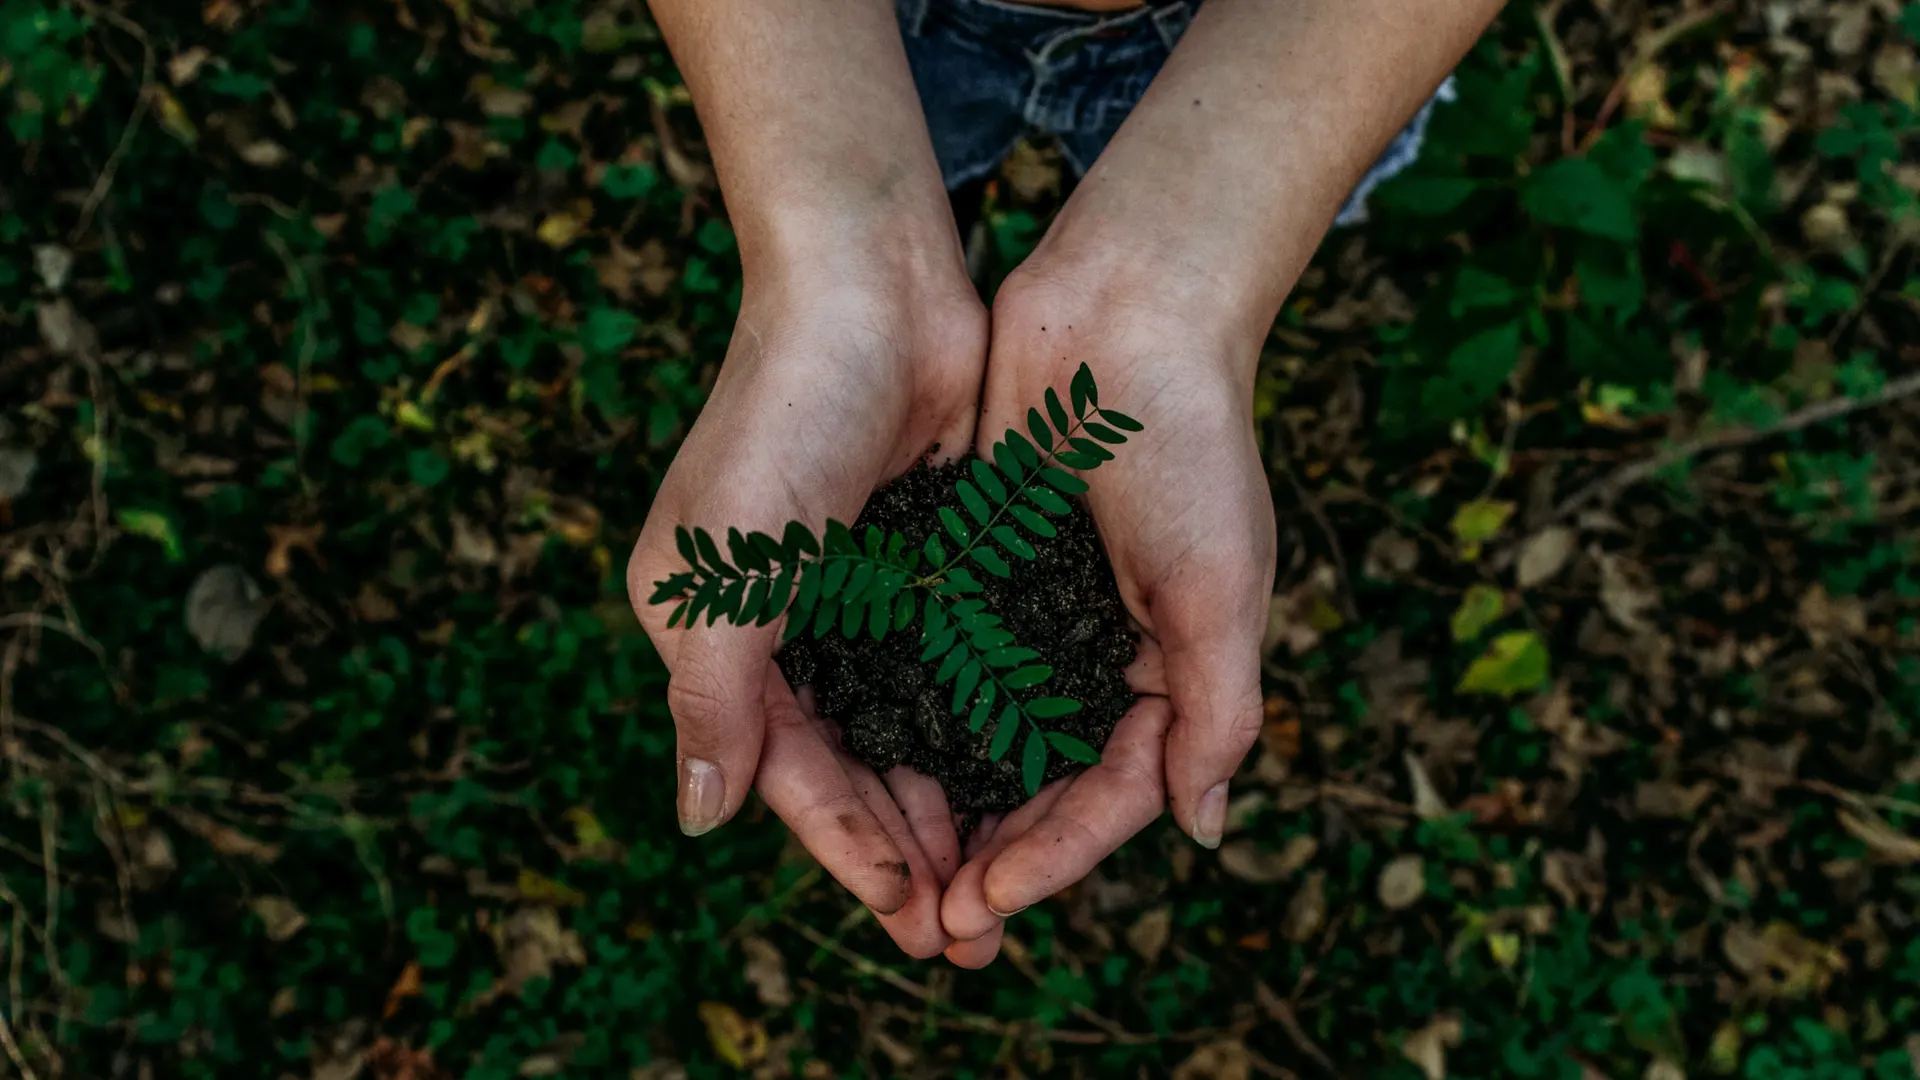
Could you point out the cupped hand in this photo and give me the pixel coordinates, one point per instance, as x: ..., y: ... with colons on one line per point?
x: 1187, y: 519
x: 838, y: 378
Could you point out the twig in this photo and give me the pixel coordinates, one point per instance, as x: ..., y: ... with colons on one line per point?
x: 1657, y: 44
x: 104, y: 182
x: 303, y: 363
x: 1347, y: 609
x: 59, y: 626
x: 1280, y: 1011
x: 13, y: 1051
x: 1109, y: 1031
x: 1614, y: 484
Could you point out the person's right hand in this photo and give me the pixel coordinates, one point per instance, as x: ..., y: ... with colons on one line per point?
x: 841, y: 375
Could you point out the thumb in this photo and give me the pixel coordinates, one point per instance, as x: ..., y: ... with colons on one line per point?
x: 716, y: 694
x: 1212, y: 658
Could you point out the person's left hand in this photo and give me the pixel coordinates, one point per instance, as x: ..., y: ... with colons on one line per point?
x: 1187, y: 519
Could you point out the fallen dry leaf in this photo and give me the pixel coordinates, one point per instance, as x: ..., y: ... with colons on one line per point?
x: 1149, y: 933
x: 1885, y: 843
x: 1427, y: 1047
x: 1403, y: 882
x: 1307, y: 911
x: 404, y: 987
x: 766, y: 969
x: 1224, y: 1060
x: 279, y: 915
x: 1543, y: 555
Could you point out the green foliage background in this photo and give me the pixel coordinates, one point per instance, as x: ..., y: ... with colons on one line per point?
x: 348, y: 343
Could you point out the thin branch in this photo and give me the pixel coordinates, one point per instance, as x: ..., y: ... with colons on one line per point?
x: 104, y: 182
x: 1611, y: 486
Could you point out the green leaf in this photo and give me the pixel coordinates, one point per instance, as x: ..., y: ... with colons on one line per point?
x: 1084, y: 391
x: 728, y: 606
x: 938, y: 644
x: 991, y: 562
x: 1048, y: 501
x: 1076, y: 460
x: 950, y: 666
x: 936, y: 620
x: 936, y: 553
x: 839, y: 539
x: 1049, y: 708
x: 1092, y: 449
x: 1037, y: 525
x: 963, y: 579
x: 823, y: 618
x: 989, y: 481
x: 1121, y: 420
x: 1575, y: 193
x: 975, y: 504
x: 852, y: 617
x: 755, y: 602
x: 1058, y: 413
x: 671, y: 586
x: 1008, y: 656
x: 857, y: 582
x: 1026, y: 677
x: 876, y: 541
x: 796, y: 625
x: 1007, y: 727
x: 1008, y: 459
x: 1480, y: 608
x: 679, y: 609
x: 711, y: 553
x: 956, y: 528
x: 767, y: 546
x: 745, y: 555
x: 1104, y: 433
x: 1073, y: 749
x: 799, y: 540
x: 1033, y: 762
x: 879, y: 617
x: 1064, y: 482
x: 703, y: 598
x: 1515, y: 663
x: 1477, y: 522
x: 629, y: 181
x: 982, y: 708
x: 777, y: 595
x: 991, y: 637
x: 1022, y: 449
x: 837, y: 572
x: 427, y: 466
x: 809, y: 591
x: 902, y: 610
x: 683, y: 540
x: 1014, y: 542
x: 1038, y: 426
x: 963, y: 686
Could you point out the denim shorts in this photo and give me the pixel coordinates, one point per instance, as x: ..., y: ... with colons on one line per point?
x: 991, y: 71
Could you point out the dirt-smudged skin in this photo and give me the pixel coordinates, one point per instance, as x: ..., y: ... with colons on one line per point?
x: 1063, y: 604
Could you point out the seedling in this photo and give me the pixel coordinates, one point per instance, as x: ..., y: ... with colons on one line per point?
x: 877, y: 584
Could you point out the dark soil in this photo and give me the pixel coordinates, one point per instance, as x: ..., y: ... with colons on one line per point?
x: 1063, y: 604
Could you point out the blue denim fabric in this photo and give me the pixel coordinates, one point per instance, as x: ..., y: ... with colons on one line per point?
x: 989, y: 71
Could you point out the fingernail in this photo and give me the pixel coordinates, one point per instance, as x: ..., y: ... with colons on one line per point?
x: 703, y: 796
x: 1007, y: 914
x: 1211, y: 819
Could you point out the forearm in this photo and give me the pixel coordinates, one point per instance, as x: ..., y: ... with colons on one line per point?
x: 1228, y: 173
x: 815, y: 128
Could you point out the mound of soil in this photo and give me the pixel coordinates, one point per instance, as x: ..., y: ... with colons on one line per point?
x: 1063, y: 604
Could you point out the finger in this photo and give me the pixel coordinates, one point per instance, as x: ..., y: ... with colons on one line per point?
x: 1212, y: 667
x: 1148, y: 672
x: 803, y: 781
x: 964, y: 910
x: 915, y: 927
x: 978, y: 953
x: 923, y: 802
x: 1100, y: 810
x: 716, y: 690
